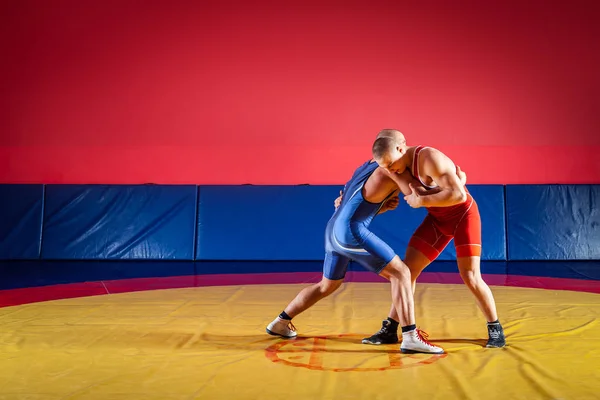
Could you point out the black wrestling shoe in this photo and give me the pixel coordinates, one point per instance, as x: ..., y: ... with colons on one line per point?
x: 496, y: 336
x: 384, y: 336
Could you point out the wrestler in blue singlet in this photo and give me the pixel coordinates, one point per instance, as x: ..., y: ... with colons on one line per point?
x: 347, y: 236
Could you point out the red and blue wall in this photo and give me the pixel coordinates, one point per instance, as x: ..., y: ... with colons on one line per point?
x: 128, y: 130
x: 271, y: 92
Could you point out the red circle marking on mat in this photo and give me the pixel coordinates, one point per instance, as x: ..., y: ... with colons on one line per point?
x: 310, y: 353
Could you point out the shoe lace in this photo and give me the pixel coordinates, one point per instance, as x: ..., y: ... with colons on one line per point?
x: 494, y: 334
x: 423, y: 336
x: 291, y: 327
x: 384, y: 329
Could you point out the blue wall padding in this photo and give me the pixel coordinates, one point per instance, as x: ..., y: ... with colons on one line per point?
x: 553, y: 222
x: 545, y: 222
x: 263, y: 222
x: 288, y: 222
x: 581, y: 269
x: 396, y: 227
x: 21, y: 274
x: 119, y: 222
x: 487, y: 267
x: 21, y: 221
x: 210, y: 267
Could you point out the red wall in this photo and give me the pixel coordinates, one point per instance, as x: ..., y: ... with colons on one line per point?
x: 235, y: 92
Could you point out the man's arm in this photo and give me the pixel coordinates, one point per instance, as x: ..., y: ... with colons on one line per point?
x: 390, y: 204
x: 405, y: 179
x: 404, y: 182
x: 443, y: 171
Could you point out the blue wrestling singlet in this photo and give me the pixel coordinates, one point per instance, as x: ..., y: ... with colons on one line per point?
x: 347, y: 236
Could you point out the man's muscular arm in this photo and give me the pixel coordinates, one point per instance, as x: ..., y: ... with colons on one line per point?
x: 405, y: 179
x: 376, y: 188
x: 443, y: 171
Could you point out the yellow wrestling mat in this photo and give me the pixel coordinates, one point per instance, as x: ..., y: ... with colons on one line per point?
x: 210, y: 343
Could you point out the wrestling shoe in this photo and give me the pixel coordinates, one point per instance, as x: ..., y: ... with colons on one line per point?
x: 282, y: 327
x: 415, y: 341
x: 384, y: 336
x: 496, y: 335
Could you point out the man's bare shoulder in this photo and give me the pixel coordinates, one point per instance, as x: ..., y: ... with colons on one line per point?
x: 435, y: 156
x: 431, y: 152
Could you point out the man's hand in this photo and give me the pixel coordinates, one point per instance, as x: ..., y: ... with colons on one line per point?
x: 414, y: 199
x: 338, y: 201
x: 391, y: 203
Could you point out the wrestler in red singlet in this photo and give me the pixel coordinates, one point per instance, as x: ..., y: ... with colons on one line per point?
x: 452, y: 215
x: 461, y: 222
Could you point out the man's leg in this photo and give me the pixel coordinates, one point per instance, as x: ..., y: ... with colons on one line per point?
x: 468, y: 252
x: 334, y: 270
x: 388, y: 334
x: 425, y: 246
x: 470, y: 272
x: 376, y: 259
x: 402, y: 298
x: 399, y: 276
x: 310, y: 295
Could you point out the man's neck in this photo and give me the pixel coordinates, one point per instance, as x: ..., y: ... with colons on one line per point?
x: 409, y: 157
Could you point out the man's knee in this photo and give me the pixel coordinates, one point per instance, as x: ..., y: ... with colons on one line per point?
x: 328, y: 286
x: 396, y: 269
x: 416, y: 261
x: 470, y: 278
x: 470, y: 272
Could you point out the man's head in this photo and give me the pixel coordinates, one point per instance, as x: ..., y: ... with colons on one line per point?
x: 394, y: 134
x: 388, y: 148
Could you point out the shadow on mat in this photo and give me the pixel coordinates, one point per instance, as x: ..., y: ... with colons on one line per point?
x: 479, y: 342
x: 351, y: 343
x: 181, y: 341
x: 174, y: 340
